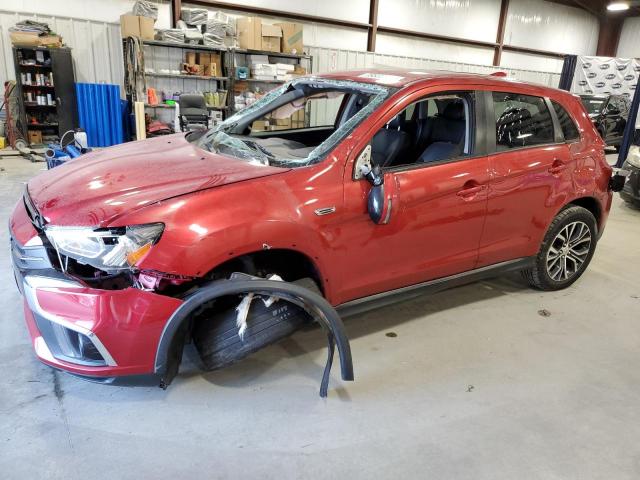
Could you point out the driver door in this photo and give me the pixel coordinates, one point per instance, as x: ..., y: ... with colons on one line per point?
x: 435, y: 208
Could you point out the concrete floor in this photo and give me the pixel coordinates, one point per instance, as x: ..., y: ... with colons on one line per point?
x: 476, y: 385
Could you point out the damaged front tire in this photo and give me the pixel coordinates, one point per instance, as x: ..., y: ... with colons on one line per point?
x: 303, y: 298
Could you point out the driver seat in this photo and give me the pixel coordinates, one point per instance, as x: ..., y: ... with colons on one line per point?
x: 389, y: 143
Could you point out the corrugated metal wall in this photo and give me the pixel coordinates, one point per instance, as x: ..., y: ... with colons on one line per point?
x: 97, y: 53
x: 328, y: 60
x: 97, y: 48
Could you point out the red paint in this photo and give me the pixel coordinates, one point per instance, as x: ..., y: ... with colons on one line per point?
x: 445, y: 218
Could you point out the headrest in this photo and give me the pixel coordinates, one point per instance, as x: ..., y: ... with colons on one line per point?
x: 454, y: 110
x: 192, y: 100
x: 395, y: 123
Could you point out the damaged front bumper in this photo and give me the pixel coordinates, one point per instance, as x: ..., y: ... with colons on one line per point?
x: 131, y: 335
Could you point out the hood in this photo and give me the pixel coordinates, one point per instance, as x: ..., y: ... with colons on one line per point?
x: 97, y: 187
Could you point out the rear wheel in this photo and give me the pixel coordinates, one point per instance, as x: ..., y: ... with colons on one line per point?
x: 566, y: 250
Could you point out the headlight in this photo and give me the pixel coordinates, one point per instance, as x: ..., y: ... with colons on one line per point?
x: 106, y: 249
x: 633, y: 158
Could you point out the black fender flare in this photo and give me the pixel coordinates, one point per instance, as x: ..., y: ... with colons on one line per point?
x: 310, y: 301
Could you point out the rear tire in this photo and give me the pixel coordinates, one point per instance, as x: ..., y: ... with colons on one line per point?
x: 566, y: 250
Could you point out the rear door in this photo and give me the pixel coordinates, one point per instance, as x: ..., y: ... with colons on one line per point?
x: 530, y: 172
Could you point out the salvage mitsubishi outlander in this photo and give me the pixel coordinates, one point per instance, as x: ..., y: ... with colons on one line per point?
x: 395, y: 183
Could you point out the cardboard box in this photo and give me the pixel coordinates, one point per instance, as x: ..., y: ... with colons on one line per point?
x: 24, y: 38
x: 271, y: 37
x: 129, y: 26
x: 50, y: 41
x: 210, y: 70
x: 135, y: 26
x: 249, y: 30
x: 202, y: 58
x: 283, y: 122
x: 260, y: 125
x: 291, y: 37
x: 35, y: 137
x: 216, y: 60
x: 190, y: 58
x: 146, y: 28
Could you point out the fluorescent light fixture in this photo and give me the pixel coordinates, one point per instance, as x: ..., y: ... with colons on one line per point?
x: 617, y: 6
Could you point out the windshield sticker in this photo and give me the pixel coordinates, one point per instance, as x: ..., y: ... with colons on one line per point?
x: 382, y: 78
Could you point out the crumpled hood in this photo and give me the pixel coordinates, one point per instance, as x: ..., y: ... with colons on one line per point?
x: 98, y: 187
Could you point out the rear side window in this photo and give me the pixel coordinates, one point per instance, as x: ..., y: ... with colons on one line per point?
x: 521, y: 121
x: 569, y: 129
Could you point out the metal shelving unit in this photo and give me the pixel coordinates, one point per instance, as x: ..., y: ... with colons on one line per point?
x: 237, y: 53
x: 161, y: 55
x: 59, y: 112
x: 229, y: 60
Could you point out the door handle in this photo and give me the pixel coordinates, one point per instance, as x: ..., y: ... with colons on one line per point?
x: 470, y: 189
x: 557, y: 167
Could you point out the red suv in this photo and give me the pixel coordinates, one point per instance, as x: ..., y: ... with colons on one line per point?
x: 365, y: 186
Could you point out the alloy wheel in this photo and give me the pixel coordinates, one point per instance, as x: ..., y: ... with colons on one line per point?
x: 568, y: 251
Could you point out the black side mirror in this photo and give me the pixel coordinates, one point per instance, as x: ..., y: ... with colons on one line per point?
x: 376, y: 199
x: 613, y: 111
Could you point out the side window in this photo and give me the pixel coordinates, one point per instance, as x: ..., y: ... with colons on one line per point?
x: 521, y: 121
x: 434, y: 129
x: 567, y: 125
x: 613, y: 106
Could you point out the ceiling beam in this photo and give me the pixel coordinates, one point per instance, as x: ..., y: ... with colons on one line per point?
x: 373, y: 29
x: 279, y: 13
x: 502, y: 21
x: 176, y: 7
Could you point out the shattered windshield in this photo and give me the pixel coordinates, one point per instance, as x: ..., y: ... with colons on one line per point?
x: 296, y: 124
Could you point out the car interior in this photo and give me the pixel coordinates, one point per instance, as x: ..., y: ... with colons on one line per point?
x: 432, y: 130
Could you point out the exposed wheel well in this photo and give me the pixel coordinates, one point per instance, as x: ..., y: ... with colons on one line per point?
x: 291, y: 265
x: 590, y: 204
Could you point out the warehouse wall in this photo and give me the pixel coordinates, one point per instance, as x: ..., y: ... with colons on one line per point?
x: 574, y: 30
x: 629, y: 45
x: 550, y: 26
x: 97, y: 47
x: 97, y: 10
x: 534, y: 24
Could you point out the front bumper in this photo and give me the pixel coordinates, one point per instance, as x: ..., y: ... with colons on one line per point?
x: 631, y: 190
x: 93, y: 333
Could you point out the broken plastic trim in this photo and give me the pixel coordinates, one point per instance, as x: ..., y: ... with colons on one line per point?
x: 311, y: 302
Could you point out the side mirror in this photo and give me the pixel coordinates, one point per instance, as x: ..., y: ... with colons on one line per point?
x: 377, y: 205
x: 613, y: 111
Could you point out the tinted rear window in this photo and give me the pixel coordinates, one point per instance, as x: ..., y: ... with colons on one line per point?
x: 569, y: 129
x: 521, y: 121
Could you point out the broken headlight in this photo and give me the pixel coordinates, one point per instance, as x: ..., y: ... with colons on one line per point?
x: 107, y: 249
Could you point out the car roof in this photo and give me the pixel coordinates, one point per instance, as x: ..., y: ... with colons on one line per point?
x: 402, y: 78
